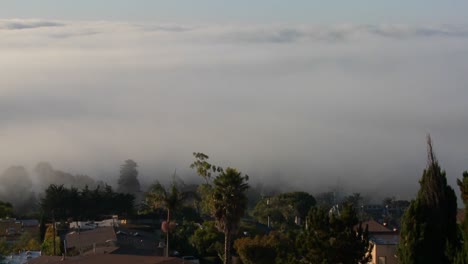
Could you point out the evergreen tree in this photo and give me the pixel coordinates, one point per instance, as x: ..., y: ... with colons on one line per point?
x: 429, y: 229
x: 334, y: 238
x: 463, y: 185
x: 462, y: 255
x: 6, y: 209
x: 128, y: 181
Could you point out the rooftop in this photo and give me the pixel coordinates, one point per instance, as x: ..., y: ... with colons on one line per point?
x: 106, y: 258
x: 87, y: 238
x: 376, y: 227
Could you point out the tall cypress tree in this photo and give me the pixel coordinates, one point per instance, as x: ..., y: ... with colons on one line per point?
x: 462, y: 256
x: 429, y: 228
x: 128, y: 181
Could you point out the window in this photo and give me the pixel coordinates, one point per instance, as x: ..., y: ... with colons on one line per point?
x: 382, y: 260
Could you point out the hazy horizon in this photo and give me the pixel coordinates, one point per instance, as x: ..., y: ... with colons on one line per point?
x: 291, y: 101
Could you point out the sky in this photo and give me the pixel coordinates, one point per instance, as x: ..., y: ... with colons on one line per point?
x: 243, y: 11
x: 305, y: 96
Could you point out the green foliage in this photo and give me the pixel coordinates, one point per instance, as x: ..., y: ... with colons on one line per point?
x: 398, y: 209
x: 301, y: 202
x: 334, y: 238
x: 170, y: 199
x: 207, y: 240
x: 47, y: 246
x: 257, y: 250
x: 229, y: 199
x: 26, y: 242
x: 203, y: 167
x: 251, y: 228
x: 6, y: 209
x: 276, y: 247
x: 462, y: 255
x: 128, y: 181
x: 63, y: 203
x: 429, y: 230
x: 55, y: 201
x: 205, y: 192
x: 284, y: 208
x: 180, y: 238
x: 5, y: 248
x: 355, y: 200
x: 187, y: 214
x: 281, y: 215
x: 463, y: 185
x: 229, y: 204
x: 254, y: 195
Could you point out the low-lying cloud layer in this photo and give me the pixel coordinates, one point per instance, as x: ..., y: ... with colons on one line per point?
x: 303, y: 105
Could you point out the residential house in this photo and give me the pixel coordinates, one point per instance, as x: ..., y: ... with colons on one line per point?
x: 384, y: 243
x: 10, y: 227
x: 31, y: 226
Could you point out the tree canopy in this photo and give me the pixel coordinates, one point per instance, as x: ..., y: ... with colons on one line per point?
x: 429, y: 230
x: 63, y: 203
x: 229, y: 205
x: 128, y: 181
x: 6, y: 209
x: 286, y: 209
x: 462, y: 255
x: 170, y: 199
x: 334, y: 238
x: 204, y: 169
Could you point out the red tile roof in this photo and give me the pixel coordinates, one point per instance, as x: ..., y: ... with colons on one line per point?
x: 106, y: 258
x: 375, y: 227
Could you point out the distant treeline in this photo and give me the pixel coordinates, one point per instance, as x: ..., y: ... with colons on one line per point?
x: 63, y: 203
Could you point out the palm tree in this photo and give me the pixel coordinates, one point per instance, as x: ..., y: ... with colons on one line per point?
x: 229, y: 205
x: 170, y: 199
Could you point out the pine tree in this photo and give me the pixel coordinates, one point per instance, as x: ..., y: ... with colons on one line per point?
x: 128, y: 181
x: 429, y: 228
x: 462, y: 255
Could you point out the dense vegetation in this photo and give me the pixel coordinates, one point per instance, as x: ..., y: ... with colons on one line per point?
x: 225, y: 216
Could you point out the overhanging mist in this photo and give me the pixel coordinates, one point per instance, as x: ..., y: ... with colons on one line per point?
x: 309, y: 107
